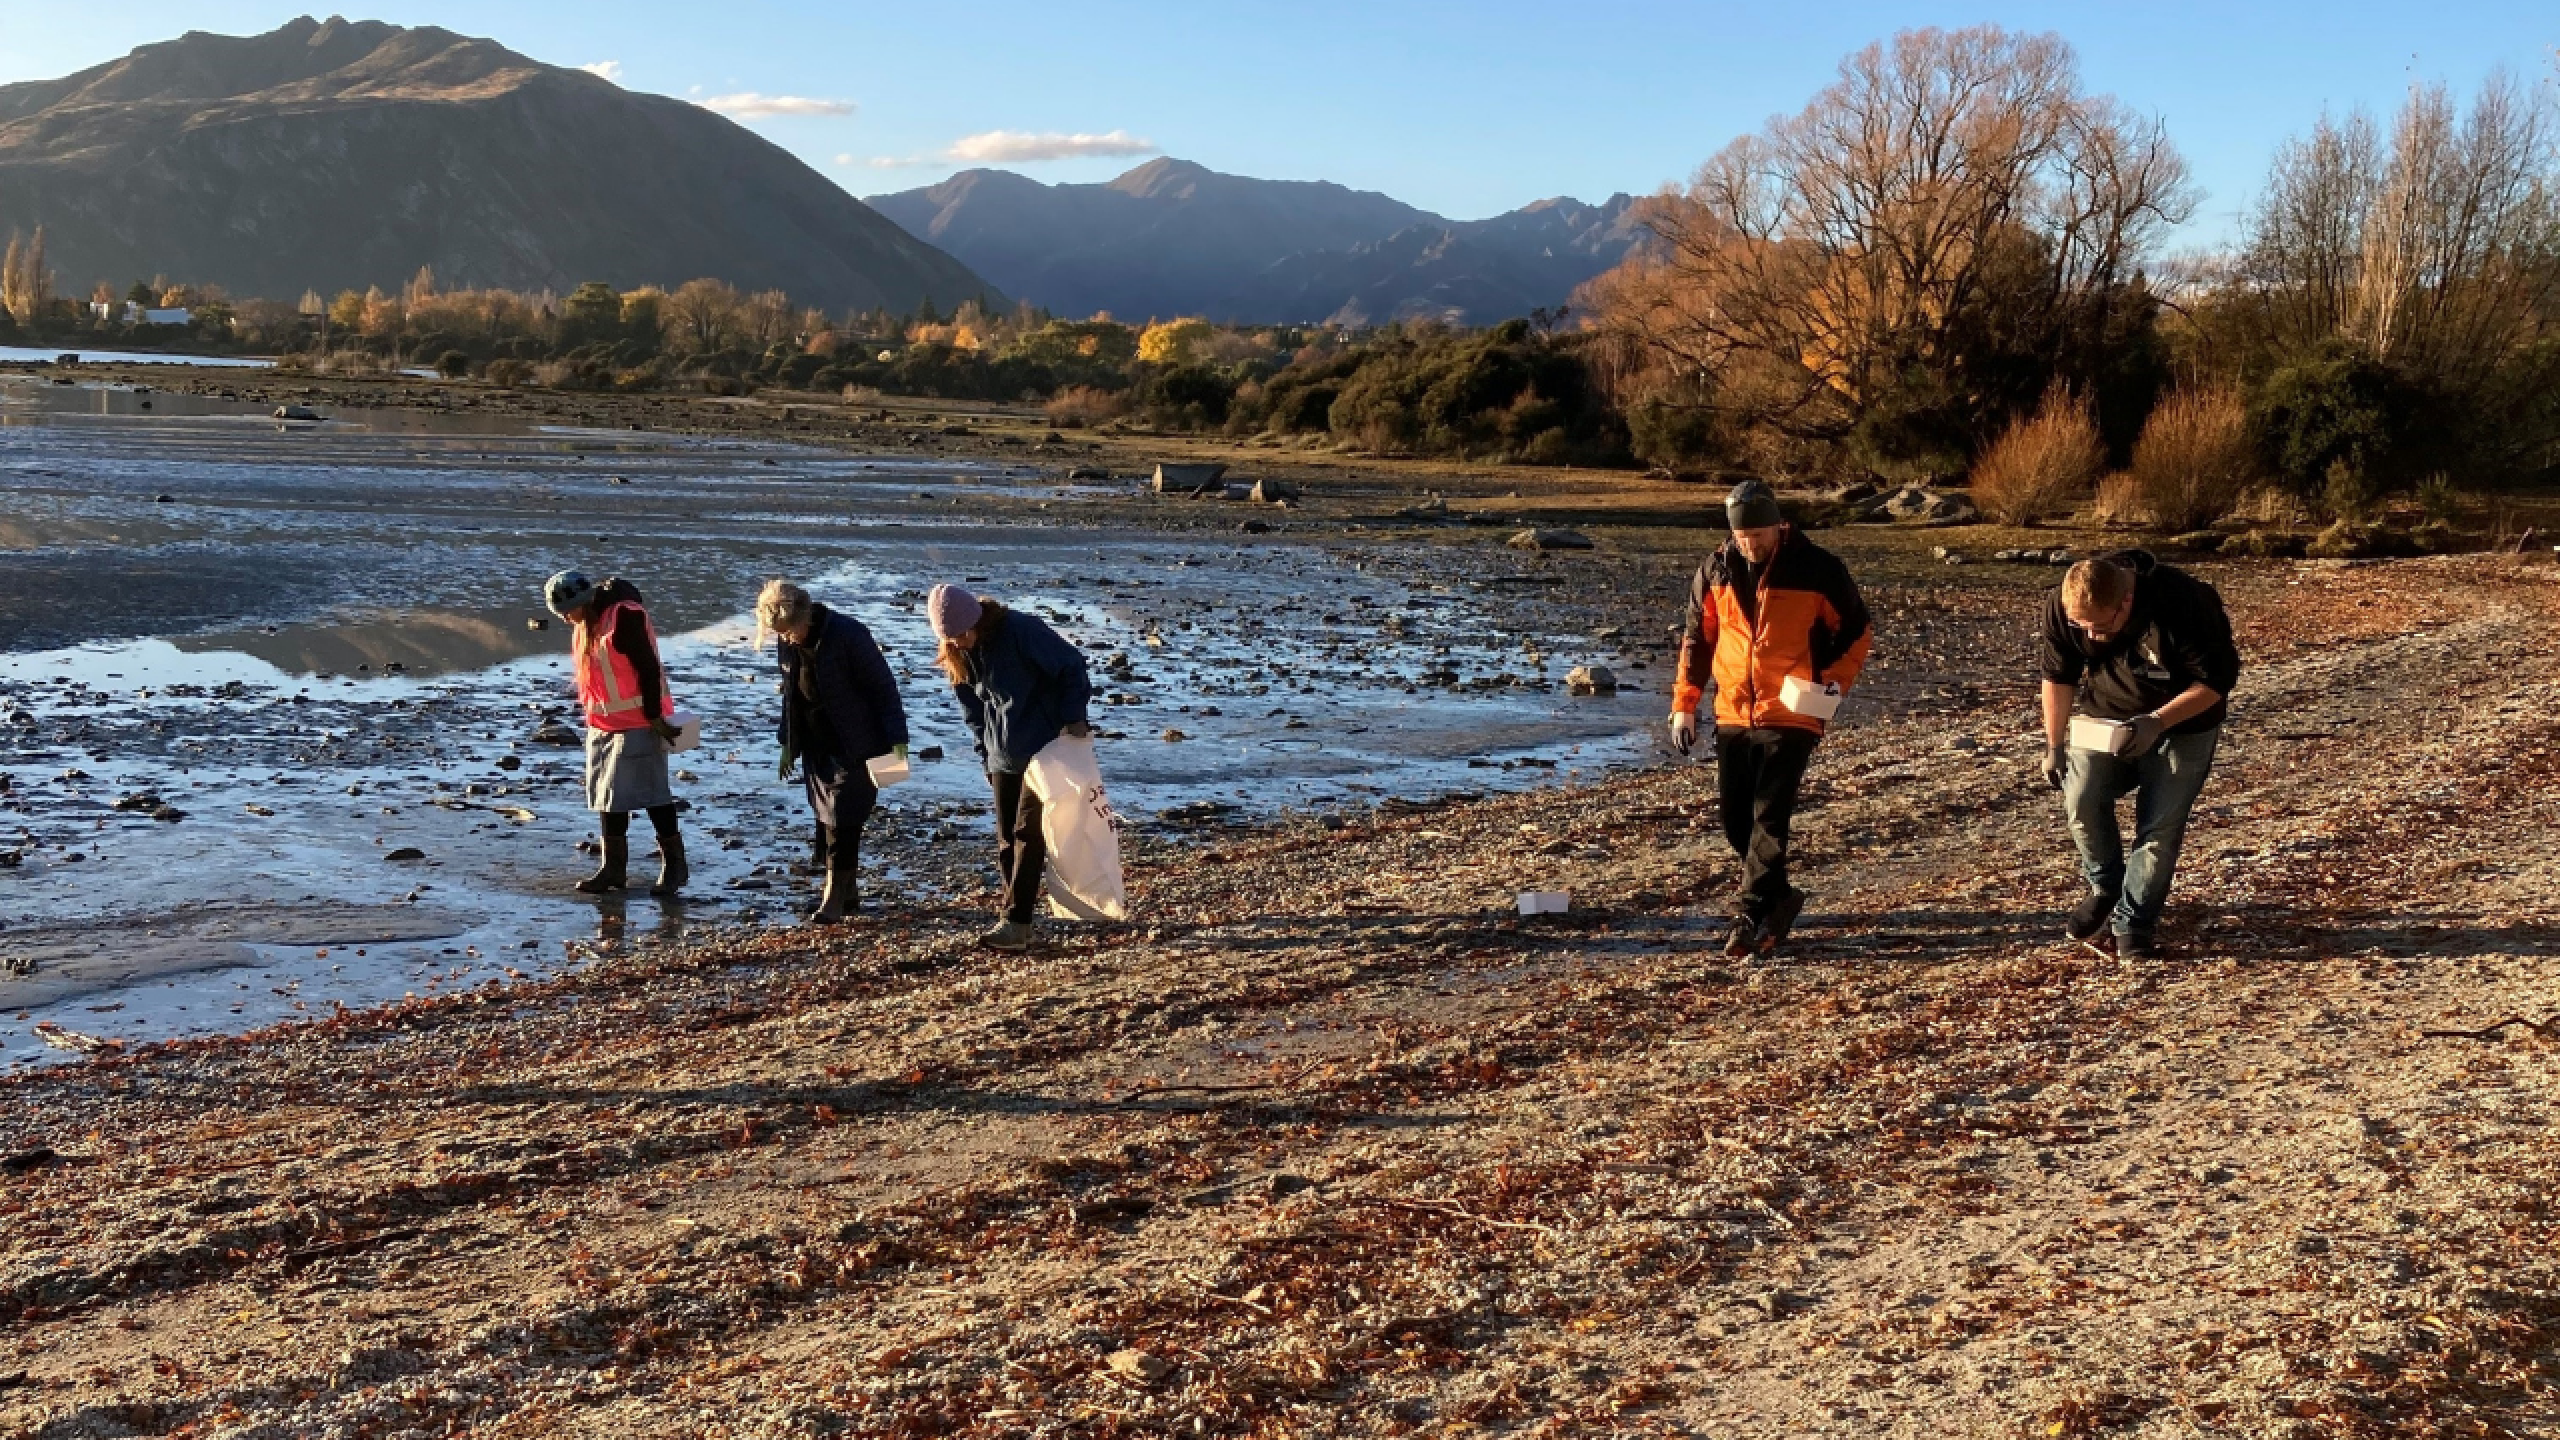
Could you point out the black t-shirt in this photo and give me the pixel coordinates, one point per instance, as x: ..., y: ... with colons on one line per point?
x: 2177, y: 636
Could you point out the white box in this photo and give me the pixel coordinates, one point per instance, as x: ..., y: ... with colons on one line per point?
x: 688, y: 730
x: 1817, y: 702
x: 2090, y: 733
x: 887, y: 770
x: 1545, y: 902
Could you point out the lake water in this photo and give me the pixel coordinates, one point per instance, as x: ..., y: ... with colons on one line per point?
x: 321, y: 647
x: 25, y: 354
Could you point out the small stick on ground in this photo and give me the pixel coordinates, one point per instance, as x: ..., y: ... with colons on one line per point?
x: 1454, y: 1213
x: 2547, y: 1029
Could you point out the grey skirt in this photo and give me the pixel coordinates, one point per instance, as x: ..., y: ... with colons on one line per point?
x: 626, y: 771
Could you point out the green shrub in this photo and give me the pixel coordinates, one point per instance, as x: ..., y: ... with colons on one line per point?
x: 1676, y: 437
x: 1192, y: 396
x: 2438, y: 500
x: 507, y: 372
x: 453, y: 365
x: 2334, y: 406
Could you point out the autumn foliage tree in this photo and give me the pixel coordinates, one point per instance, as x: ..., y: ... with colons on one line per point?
x: 1901, y: 267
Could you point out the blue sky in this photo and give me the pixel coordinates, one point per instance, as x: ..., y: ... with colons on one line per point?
x: 1466, y: 109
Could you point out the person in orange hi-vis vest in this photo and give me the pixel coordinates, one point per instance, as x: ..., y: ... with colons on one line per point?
x: 1777, y: 629
x: 623, y: 689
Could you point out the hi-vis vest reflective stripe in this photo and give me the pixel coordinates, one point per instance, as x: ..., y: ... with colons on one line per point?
x: 608, y: 686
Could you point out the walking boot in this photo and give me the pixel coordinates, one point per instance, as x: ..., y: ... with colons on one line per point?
x: 2087, y: 922
x: 672, y: 871
x: 1011, y: 935
x: 1780, y: 922
x: 841, y: 900
x: 1743, y: 938
x: 611, y: 872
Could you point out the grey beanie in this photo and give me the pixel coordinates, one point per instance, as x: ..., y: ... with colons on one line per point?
x: 952, y: 611
x: 1751, y: 506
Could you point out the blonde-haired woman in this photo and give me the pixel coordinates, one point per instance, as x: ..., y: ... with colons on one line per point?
x: 1022, y: 685
x: 840, y: 710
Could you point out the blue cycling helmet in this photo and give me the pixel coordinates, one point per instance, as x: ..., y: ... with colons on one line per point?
x: 567, y: 591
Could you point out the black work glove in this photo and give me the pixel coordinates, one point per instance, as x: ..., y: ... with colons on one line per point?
x: 1078, y: 729
x: 2057, y: 764
x: 667, y: 729
x: 2141, y: 736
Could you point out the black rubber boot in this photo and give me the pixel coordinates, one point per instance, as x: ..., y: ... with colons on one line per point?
x: 672, y: 871
x: 613, y: 872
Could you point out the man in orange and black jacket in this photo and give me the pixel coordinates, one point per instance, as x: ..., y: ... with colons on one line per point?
x: 1768, y: 605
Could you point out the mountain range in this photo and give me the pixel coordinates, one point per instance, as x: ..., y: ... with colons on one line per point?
x: 1175, y: 238
x: 337, y: 154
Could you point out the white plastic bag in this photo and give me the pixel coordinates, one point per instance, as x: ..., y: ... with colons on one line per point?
x: 1082, y: 834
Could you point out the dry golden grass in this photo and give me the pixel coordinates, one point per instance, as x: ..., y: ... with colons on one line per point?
x: 2194, y: 462
x: 1084, y: 405
x: 2046, y: 465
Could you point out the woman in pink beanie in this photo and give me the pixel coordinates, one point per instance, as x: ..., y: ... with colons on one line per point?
x: 1021, y: 685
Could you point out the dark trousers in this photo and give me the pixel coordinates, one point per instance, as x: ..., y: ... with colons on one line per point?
x: 1757, y: 774
x: 1021, y: 852
x: 839, y: 847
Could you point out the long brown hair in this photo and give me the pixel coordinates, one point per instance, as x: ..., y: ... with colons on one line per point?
x: 955, y: 660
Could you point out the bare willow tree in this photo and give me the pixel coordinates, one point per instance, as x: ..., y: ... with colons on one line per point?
x: 2434, y: 251
x: 1953, y: 190
x: 702, y: 315
x: 2438, y: 249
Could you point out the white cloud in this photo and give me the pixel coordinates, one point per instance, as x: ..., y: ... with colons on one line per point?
x: 998, y: 147
x: 748, y: 105
x: 884, y: 162
x: 609, y: 69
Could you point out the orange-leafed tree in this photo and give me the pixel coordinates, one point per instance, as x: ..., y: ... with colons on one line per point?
x: 1912, y: 258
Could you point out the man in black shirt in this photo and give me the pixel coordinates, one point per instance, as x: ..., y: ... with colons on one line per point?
x: 2130, y: 640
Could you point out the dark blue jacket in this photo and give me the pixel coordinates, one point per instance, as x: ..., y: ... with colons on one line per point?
x: 858, y: 714
x: 1026, y: 683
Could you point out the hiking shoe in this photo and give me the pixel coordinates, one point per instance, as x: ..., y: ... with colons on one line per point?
x: 2137, y: 947
x: 1011, y: 935
x: 1781, y: 919
x: 1743, y: 938
x: 2087, y: 922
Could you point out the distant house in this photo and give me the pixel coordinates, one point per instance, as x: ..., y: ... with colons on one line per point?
x: 130, y: 313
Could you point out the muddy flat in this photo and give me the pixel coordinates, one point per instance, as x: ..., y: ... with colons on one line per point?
x: 1331, y: 1142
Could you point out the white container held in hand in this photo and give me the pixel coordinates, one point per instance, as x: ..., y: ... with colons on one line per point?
x: 2088, y: 732
x: 688, y: 730
x: 1815, y: 702
x: 887, y: 770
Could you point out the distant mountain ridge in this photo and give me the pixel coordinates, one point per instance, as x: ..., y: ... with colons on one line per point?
x: 342, y: 154
x: 1176, y: 238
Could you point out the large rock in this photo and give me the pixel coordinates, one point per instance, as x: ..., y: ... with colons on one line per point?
x: 1591, y: 680
x: 1176, y: 479
x: 1551, y: 540
x: 1920, y: 504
